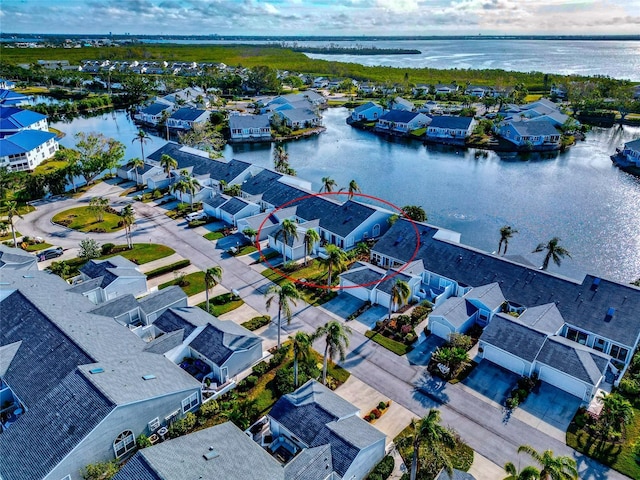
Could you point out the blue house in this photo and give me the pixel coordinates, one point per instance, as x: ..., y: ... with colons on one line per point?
x: 402, y: 121
x: 8, y: 97
x: 186, y: 118
x: 445, y: 127
x: 14, y: 120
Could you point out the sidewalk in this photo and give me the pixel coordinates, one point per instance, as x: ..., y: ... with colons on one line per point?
x: 198, y: 298
x: 167, y: 277
x: 161, y: 262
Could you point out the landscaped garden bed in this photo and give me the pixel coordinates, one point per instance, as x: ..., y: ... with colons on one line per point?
x: 191, y: 283
x: 519, y: 394
x: 257, y: 322
x: 221, y: 304
x: 397, y: 334
x: 451, y: 361
x: 377, y: 412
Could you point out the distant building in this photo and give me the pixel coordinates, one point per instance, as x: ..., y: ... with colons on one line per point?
x: 186, y: 118
x: 14, y: 120
x: 25, y: 150
x: 250, y: 127
x: 367, y: 112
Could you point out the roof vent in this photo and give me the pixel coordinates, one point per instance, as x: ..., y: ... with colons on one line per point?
x: 609, y: 314
x: 148, y: 377
x: 211, y: 454
x: 594, y: 285
x: 94, y: 371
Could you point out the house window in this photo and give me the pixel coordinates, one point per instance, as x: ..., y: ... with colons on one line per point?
x: 125, y: 442
x: 189, y: 402
x: 154, y: 425
x: 599, y: 344
x: 577, y: 336
x: 619, y: 353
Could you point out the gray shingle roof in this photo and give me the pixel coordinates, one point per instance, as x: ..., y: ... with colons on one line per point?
x: 188, y: 114
x: 116, y: 307
x: 137, y: 468
x: 367, y: 277
x: 157, y: 301
x: 538, y: 128
x: 454, y: 123
x: 391, y: 277
x: 457, y: 475
x: 110, y: 269
x: 260, y: 182
x: 249, y: 121
x: 16, y: 259
x: 87, y: 285
x: 514, y: 337
x: 574, y: 359
x: 169, y: 321
x: 216, y: 200
x: 399, y: 116
x: 490, y: 295
x: 456, y: 310
x: 366, y: 106
x: 543, y: 318
x: 234, y: 205
x: 310, y: 464
x: 155, y: 108
x: 221, y: 339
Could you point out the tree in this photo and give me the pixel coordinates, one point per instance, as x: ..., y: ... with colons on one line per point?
x: 143, y: 138
x: 353, y: 189
x: 281, y: 161
x: 415, y: 213
x: 288, y: 231
x: 362, y: 250
x: 336, y: 336
x: 553, y: 468
x: 506, y: 233
x: 191, y: 185
x: 100, y: 470
x: 89, y: 249
x: 212, y: 276
x: 263, y: 79
x: 180, y: 187
x: 137, y: 87
x: 137, y: 163
x: 301, y: 342
x: 98, y: 205
x: 617, y: 412
x: 97, y: 153
x: 284, y: 294
x: 311, y: 237
x: 328, y: 184
x: 168, y: 163
x: 336, y: 260
x: 434, y: 437
x: 205, y: 137
x: 13, y: 211
x: 555, y: 252
x: 128, y: 219
x: 251, y: 233
x: 527, y: 473
x: 61, y: 269
x: 73, y: 168
x: 400, y: 293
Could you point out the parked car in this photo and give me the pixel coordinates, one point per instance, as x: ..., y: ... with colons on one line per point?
x: 199, y: 215
x: 49, y: 254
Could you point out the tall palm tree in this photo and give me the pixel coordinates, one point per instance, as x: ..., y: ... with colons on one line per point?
x: 191, y: 184
x: 506, y: 233
x: 180, y: 186
x: 128, y: 219
x: 328, y: 184
x: 617, y: 412
x: 137, y: 163
x: 336, y: 336
x: 212, y: 276
x: 168, y: 163
x: 12, y: 211
x: 288, y: 231
x: 353, y: 189
x: 527, y: 473
x: 311, y: 237
x: 400, y: 293
x: 251, y: 233
x: 301, y: 342
x: 336, y: 260
x: 553, y: 468
x: 555, y: 252
x: 280, y: 159
x: 428, y: 432
x: 143, y: 138
x: 283, y: 294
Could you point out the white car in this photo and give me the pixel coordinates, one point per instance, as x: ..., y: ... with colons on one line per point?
x: 199, y: 215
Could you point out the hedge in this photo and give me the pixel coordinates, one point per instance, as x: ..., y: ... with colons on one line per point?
x: 168, y: 268
x: 383, y: 469
x: 256, y: 322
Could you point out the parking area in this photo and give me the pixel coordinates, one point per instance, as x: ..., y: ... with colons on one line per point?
x: 550, y: 406
x: 422, y: 352
x: 343, y: 305
x: 235, y: 240
x: 491, y: 381
x: 372, y: 315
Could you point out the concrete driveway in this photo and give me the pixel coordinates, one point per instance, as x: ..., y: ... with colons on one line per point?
x: 235, y: 240
x: 491, y: 381
x: 372, y: 315
x: 552, y: 408
x: 343, y: 305
x: 422, y: 352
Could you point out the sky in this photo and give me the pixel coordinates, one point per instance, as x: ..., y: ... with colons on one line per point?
x: 321, y: 17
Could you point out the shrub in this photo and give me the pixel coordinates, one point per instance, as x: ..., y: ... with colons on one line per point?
x: 376, y: 412
x: 196, y: 223
x: 461, y: 341
x: 107, y: 248
x: 157, y: 194
x: 257, y: 322
x: 629, y: 387
x: 209, y: 409
x: 279, y: 356
x: 383, y: 470
x: 251, y: 380
x: 261, y: 368
x: 143, y: 441
x: 512, y: 402
x: 182, y: 426
x: 100, y: 470
x: 168, y: 268
x: 89, y: 249
x: 372, y: 416
x: 382, y: 405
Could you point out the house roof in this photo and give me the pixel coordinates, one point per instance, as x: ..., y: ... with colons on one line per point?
x: 514, y: 337
x: 390, y: 279
x: 260, y: 182
x: 299, y: 114
x: 574, y: 359
x: 17, y: 118
x: 366, y: 106
x: 633, y: 145
x: 249, y: 121
x: 534, y: 128
x: 310, y: 464
x: 490, y: 295
x: 543, y: 318
x: 399, y: 116
x: 161, y: 299
x: 171, y: 321
x: 365, y: 276
x: 111, y: 268
x: 221, y: 339
x: 155, y: 108
x: 24, y: 141
x: 216, y: 201
x: 117, y: 306
x: 453, y: 123
x: 233, y: 456
x: 457, y: 310
x: 234, y: 205
x: 189, y: 114
x: 457, y: 475
x: 583, y: 304
x: 16, y: 259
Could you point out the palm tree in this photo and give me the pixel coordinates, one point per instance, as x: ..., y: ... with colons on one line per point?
x: 301, y: 342
x: 553, y: 468
x: 527, y: 473
x: 555, y: 252
x: 180, y: 186
x: 428, y: 432
x: 400, y: 293
x: 251, y: 233
x: 191, y: 185
x: 137, y: 163
x: 280, y: 159
x: 13, y: 211
x: 506, y: 233
x: 288, y: 231
x: 283, y: 294
x: 336, y: 336
x: 212, y: 276
x: 143, y: 138
x: 311, y: 237
x: 128, y: 219
x: 168, y: 163
x: 328, y: 184
x: 98, y: 205
x: 336, y: 259
x: 353, y: 188
x: 617, y: 412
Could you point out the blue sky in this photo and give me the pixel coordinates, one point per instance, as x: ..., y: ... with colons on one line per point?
x: 322, y: 17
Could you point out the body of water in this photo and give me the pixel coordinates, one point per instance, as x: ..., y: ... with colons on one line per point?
x: 578, y: 195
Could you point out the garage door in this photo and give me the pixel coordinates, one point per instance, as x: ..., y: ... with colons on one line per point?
x: 439, y: 329
x: 563, y: 381
x: 504, y: 359
x: 358, y: 292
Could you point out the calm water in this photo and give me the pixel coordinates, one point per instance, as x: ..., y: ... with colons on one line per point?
x: 579, y: 195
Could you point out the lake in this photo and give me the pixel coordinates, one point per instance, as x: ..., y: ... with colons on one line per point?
x: 578, y: 195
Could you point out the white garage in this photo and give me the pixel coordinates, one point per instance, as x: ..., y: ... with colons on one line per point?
x: 440, y: 327
x: 505, y: 359
x: 355, y: 290
x: 564, y: 382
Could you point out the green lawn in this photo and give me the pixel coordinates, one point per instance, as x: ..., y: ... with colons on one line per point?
x: 213, y: 236
x: 9, y: 236
x: 84, y: 220
x: 50, y: 166
x: 192, y: 283
x: 388, y: 343
x: 246, y: 250
x: 37, y: 247
x: 313, y: 273
x: 222, y: 304
x: 142, y: 253
x: 22, y: 209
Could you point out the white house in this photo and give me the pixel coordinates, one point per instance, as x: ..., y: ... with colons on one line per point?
x: 400, y: 103
x: 27, y: 149
x: 295, y: 247
x: 298, y: 118
x: 442, y: 89
x: 186, y: 118
x: 402, y: 121
x: 153, y: 113
x: 369, y: 111
x: 445, y: 127
x: 631, y: 152
x: 540, y: 133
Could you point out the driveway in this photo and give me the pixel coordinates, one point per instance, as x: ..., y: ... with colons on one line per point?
x: 553, y: 408
x: 235, y: 240
x: 491, y: 381
x: 422, y: 352
x: 372, y: 315
x: 343, y: 305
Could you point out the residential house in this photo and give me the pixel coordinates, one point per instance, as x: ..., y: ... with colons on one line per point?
x: 320, y: 82
x: 367, y: 112
x: 400, y: 103
x: 140, y: 175
x: 7, y: 84
x: 367, y: 88
x: 478, y: 91
x: 431, y: 108
x: 14, y: 120
x: 186, y: 118
x: 298, y: 118
x: 266, y: 223
x: 530, y: 133
x: 631, y: 152
x: 448, y: 128
x: 295, y: 247
x: 27, y: 149
x: 314, y: 418
x: 86, y: 400
x: 442, y: 89
x: 236, y: 208
x: 9, y: 97
x: 402, y: 121
x: 421, y: 89
x: 153, y: 114
x: 194, y: 97
x: 103, y: 280
x: 558, y: 91
x: 250, y: 127
x: 16, y: 259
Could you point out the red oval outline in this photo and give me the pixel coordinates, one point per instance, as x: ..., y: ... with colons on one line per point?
x: 327, y: 287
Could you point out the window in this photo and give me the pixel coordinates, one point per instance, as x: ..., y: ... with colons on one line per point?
x: 577, y: 336
x: 125, y: 442
x: 154, y: 425
x: 189, y: 402
x: 619, y: 353
x: 599, y: 344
